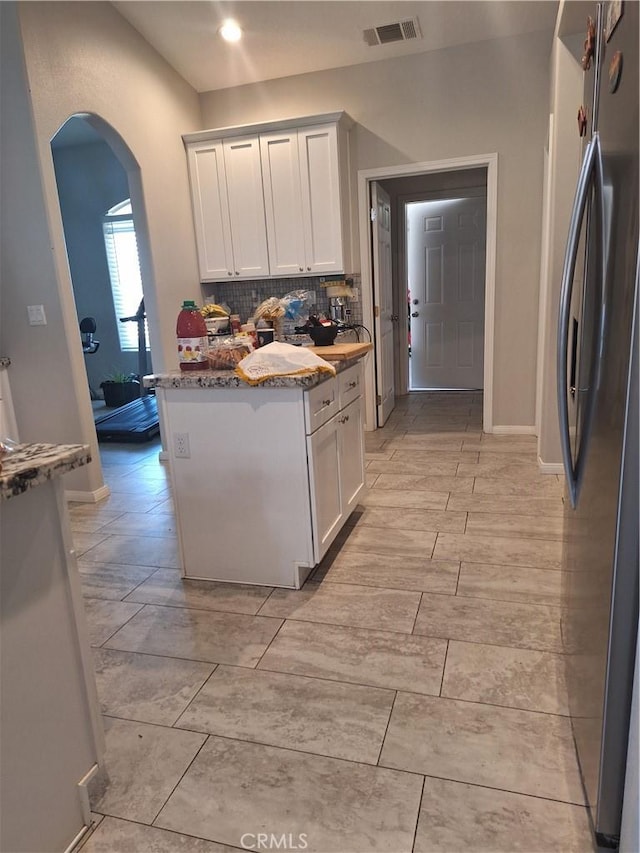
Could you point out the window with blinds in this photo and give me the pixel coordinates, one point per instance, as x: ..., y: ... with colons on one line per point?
x: 124, y: 271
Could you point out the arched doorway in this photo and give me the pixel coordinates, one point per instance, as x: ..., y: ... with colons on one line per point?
x: 99, y: 190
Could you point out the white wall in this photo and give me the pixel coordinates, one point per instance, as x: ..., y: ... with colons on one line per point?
x: 475, y: 99
x: 84, y: 57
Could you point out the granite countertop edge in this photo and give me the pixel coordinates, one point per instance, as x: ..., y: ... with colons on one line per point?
x: 31, y: 465
x: 228, y: 379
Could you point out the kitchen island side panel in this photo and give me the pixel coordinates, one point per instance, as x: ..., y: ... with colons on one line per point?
x: 242, y: 495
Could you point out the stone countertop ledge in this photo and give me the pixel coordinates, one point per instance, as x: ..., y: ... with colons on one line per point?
x: 228, y: 379
x: 30, y: 465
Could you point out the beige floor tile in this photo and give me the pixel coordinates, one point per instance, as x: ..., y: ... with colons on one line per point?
x: 544, y: 485
x: 405, y: 518
x: 91, y: 523
x: 84, y: 542
x: 508, y: 551
x: 123, y: 836
x: 104, y: 618
x: 431, y: 455
x: 121, y: 502
x: 520, y: 751
x: 415, y: 468
x: 392, y: 572
x: 370, y: 479
x: 550, y: 505
x: 500, y: 469
x: 359, y: 656
x: 143, y: 524
x: 522, y: 456
x: 346, y: 604
x: 197, y: 635
x: 131, y: 485
x: 307, y: 714
x: 478, y: 620
x: 432, y: 443
x: 234, y: 788
x: 161, y: 552
x: 411, y: 500
x: 143, y: 763
x: 519, y: 526
x: 111, y: 582
x: 513, y: 678
x: 424, y: 483
x: 410, y: 543
x: 164, y: 507
x: 146, y: 688
x: 378, y: 455
x: 510, y: 583
x: 166, y: 586
x: 459, y: 817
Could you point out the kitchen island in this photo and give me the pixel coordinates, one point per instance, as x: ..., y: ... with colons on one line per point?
x: 51, y: 735
x: 264, y: 477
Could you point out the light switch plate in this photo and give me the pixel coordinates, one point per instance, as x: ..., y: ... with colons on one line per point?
x: 36, y: 314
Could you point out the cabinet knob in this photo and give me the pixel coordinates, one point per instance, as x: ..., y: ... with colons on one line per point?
x: 301, y: 269
x: 309, y: 269
x: 237, y: 273
x: 229, y: 272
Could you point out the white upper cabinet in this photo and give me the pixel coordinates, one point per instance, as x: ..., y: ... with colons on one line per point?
x: 246, y: 207
x: 210, y: 209
x: 283, y: 202
x: 286, y: 196
x: 321, y: 207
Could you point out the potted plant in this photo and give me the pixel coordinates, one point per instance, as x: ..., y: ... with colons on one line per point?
x: 120, y: 388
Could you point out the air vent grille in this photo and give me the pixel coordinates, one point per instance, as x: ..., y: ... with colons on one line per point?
x: 390, y: 33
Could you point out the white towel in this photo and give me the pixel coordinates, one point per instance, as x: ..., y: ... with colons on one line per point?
x: 278, y: 359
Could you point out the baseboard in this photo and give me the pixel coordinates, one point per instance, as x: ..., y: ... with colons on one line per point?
x: 509, y: 429
x: 163, y: 456
x: 87, y: 497
x: 550, y: 467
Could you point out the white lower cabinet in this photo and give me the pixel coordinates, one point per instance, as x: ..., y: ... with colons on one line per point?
x: 271, y: 477
x: 335, y: 454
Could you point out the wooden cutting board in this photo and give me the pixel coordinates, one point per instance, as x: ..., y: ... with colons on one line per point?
x: 340, y: 352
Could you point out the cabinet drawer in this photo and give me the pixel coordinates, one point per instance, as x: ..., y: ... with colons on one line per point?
x: 349, y: 384
x: 320, y: 404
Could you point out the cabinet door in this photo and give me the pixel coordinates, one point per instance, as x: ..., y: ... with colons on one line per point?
x: 210, y: 210
x: 323, y: 457
x: 283, y: 202
x: 351, y: 455
x: 246, y: 207
x: 319, y: 174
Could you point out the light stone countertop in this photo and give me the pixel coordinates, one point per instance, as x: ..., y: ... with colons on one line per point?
x: 228, y: 379
x: 30, y: 465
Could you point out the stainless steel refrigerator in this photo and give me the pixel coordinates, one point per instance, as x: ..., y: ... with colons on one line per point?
x: 598, y: 408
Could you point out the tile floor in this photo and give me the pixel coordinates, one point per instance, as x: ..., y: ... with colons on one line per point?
x: 409, y: 698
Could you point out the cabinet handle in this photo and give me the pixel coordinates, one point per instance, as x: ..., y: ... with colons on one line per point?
x: 326, y: 403
x: 344, y: 419
x: 352, y: 385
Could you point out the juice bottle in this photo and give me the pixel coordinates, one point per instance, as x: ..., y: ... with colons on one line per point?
x: 192, y: 338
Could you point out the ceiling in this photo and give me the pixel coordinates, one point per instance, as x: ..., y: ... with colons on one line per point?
x: 290, y: 37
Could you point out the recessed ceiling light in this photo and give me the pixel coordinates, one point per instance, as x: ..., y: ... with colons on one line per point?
x: 230, y: 31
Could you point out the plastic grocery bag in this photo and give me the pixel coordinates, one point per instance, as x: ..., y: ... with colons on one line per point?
x: 278, y: 359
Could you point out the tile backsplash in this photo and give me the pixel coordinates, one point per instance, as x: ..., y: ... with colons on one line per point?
x: 243, y: 297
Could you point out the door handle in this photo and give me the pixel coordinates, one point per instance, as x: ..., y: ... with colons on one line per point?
x: 591, y: 166
x: 415, y: 313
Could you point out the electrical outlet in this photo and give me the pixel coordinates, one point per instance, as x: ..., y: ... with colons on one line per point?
x: 181, y: 445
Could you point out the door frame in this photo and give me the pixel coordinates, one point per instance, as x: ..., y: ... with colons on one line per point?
x: 364, y: 178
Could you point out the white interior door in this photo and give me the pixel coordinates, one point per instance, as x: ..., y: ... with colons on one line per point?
x: 383, y: 297
x: 446, y: 245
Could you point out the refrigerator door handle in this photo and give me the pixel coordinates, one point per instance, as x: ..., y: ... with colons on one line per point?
x: 591, y: 168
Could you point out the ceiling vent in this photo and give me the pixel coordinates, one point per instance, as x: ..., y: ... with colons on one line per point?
x: 389, y: 33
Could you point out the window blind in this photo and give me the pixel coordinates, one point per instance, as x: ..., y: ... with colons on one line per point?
x: 124, y: 272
